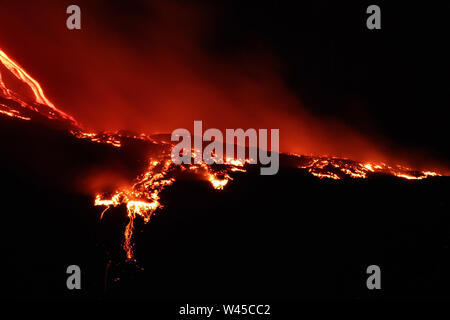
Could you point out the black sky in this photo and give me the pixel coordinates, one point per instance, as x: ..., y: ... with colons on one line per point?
x: 389, y: 84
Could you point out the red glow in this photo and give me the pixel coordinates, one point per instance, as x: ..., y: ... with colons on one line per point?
x: 142, y: 195
x: 162, y: 79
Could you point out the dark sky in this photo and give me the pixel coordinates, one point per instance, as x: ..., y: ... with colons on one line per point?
x: 391, y: 82
x: 311, y: 68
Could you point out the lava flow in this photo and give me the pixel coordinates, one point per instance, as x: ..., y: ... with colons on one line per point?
x: 38, y: 94
x: 141, y: 197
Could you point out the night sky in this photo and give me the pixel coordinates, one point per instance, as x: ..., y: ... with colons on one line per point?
x: 311, y: 68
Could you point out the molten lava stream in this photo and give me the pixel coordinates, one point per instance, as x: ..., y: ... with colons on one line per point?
x: 141, y: 198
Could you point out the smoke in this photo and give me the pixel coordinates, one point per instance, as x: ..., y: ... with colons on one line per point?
x: 149, y: 67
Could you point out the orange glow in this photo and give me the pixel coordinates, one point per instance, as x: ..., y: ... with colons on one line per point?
x: 22, y: 75
x: 13, y: 114
x: 141, y: 197
x: 218, y: 184
x: 334, y: 168
x: 110, y: 138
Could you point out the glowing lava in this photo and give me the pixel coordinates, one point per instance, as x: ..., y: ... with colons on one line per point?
x: 334, y: 168
x: 35, y: 87
x: 142, y: 196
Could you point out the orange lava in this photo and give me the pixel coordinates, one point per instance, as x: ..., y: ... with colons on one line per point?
x: 22, y: 75
x: 142, y: 196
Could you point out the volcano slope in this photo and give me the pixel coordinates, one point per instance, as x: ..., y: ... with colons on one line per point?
x: 293, y: 235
